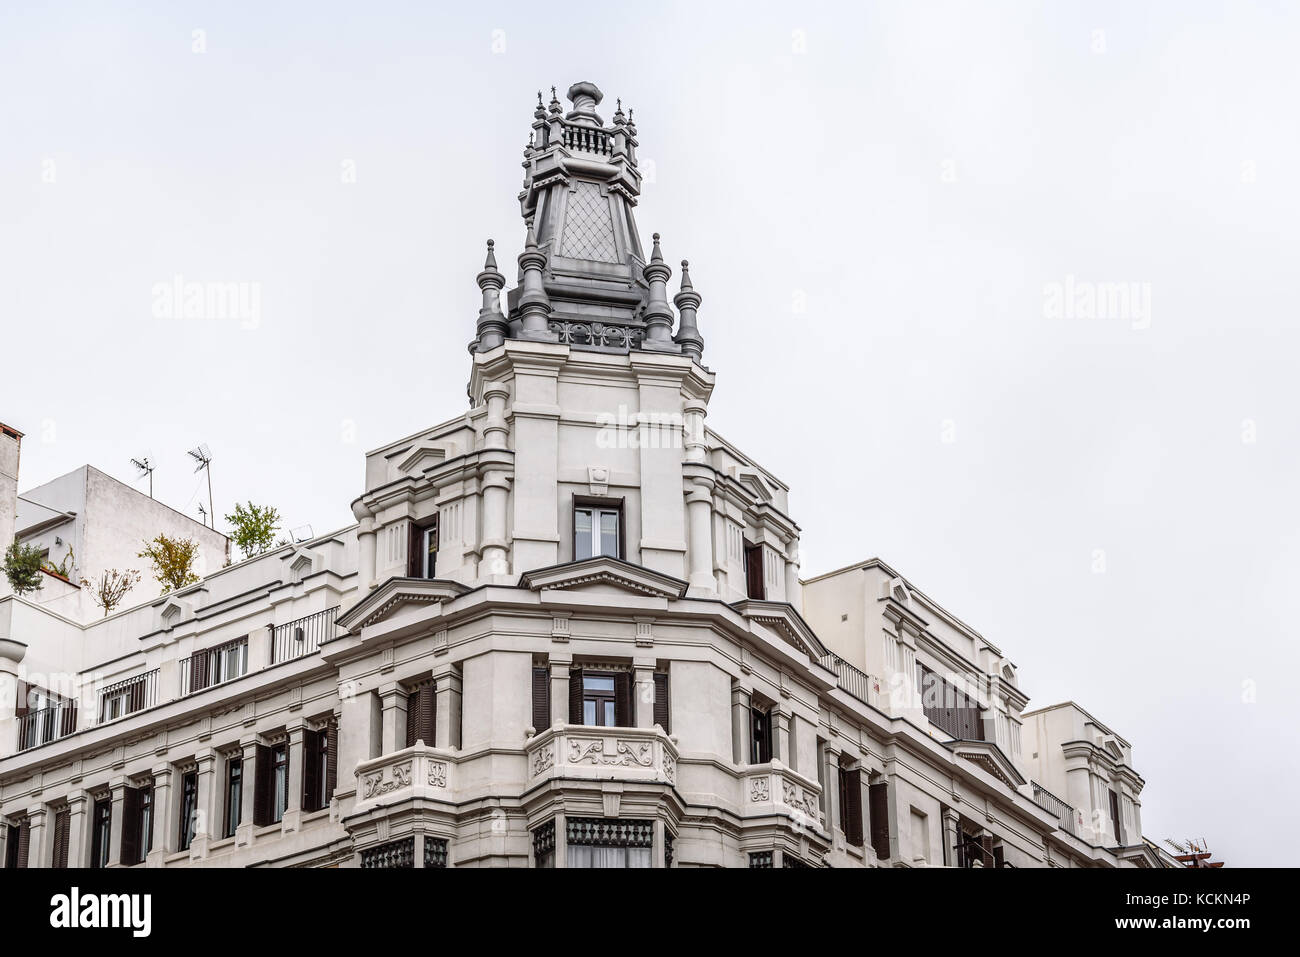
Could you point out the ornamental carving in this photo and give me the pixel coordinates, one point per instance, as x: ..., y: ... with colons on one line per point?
x: 799, y: 799
x: 438, y: 774
x: 375, y: 784
x: 543, y: 758
x: 758, y: 790
x: 626, y: 753
x: 670, y: 768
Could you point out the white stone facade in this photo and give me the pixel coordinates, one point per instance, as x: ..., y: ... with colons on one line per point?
x: 567, y: 629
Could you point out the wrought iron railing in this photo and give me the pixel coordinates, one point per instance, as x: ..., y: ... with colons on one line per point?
x: 303, y: 636
x: 1054, y: 805
x: 48, y: 724
x: 128, y: 696
x: 214, y: 666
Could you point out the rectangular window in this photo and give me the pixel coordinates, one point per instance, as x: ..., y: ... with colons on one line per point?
x: 11, y: 847
x: 760, y: 736
x: 596, y: 531
x: 101, y: 822
x: 234, y: 794
x: 1114, y: 818
x: 189, y: 807
x: 878, y: 803
x: 279, y: 782
x: 609, y: 842
x: 598, y: 700
x: 137, y: 825
x: 851, y: 805
x: 422, y: 551
x: 62, y: 825
x: 754, y: 586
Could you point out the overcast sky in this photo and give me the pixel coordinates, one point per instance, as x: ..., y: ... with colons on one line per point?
x: 896, y: 214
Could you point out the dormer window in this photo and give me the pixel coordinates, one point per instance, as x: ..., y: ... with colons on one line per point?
x: 597, y: 531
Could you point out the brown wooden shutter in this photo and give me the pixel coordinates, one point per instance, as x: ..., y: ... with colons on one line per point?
x: 262, y: 795
x: 24, y: 841
x: 311, y: 770
x: 62, y: 821
x: 986, y: 850
x: 21, y: 705
x: 878, y: 803
x: 200, y: 671
x: 623, y: 709
x: 331, y: 759
x: 853, y: 802
x: 662, y: 711
x: 575, y: 696
x: 754, y: 571
x: 412, y: 715
x: 414, y: 560
x: 421, y: 715
x: 541, y: 698
x: 130, y: 828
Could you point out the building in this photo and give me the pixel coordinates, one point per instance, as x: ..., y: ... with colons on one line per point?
x: 87, y: 522
x: 566, y: 630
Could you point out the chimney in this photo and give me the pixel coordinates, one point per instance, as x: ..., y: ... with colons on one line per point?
x: 10, y: 441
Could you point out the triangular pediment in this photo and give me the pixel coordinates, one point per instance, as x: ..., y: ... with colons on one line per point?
x: 756, y: 486
x: 603, y: 571
x: 396, y: 593
x: 789, y: 626
x: 420, y: 457
x: 987, y: 755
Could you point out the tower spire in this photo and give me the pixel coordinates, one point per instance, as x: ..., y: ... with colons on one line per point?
x: 534, y: 304
x: 658, y: 314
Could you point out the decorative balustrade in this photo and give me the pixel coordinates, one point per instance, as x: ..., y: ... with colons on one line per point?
x: 48, y: 724
x: 588, y: 139
x: 597, y: 335
x: 415, y: 772
x: 773, y: 788
x: 595, y: 753
x: 303, y: 636
x: 1068, y: 815
x: 214, y: 666
x: 128, y: 696
x: 857, y: 683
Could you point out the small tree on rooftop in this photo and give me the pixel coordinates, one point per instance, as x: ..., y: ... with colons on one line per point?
x: 23, y: 568
x: 254, y: 528
x: 173, y: 561
x: 111, y: 587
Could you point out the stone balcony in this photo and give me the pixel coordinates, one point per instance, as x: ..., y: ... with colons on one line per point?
x: 416, y: 772
x: 773, y: 788
x: 581, y: 752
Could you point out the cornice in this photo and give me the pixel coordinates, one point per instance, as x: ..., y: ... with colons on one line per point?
x: 394, y: 594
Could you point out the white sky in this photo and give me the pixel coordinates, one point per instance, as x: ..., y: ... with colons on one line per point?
x: 913, y: 173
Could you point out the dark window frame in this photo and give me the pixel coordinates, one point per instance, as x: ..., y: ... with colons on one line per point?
x: 755, y: 582
x: 234, y: 795
x: 279, y: 782
x: 189, y: 805
x: 599, y: 698
x: 101, y: 833
x: 760, y: 734
x: 418, y: 552
x: 595, y: 502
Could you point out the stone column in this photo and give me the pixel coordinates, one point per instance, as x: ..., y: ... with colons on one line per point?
x: 4, y: 847
x: 293, y: 799
x: 448, y: 702
x: 393, y: 700
x: 644, y: 694
x: 78, y: 832
x: 165, y: 812
x: 699, y: 511
x: 740, y: 724
x: 781, y: 744
x: 205, y: 818
x: 831, y: 763
x: 559, y: 692
x: 793, y: 590
x: 951, y: 826
x: 247, y: 791
x: 39, y: 852
x: 117, y: 823
x: 367, y: 546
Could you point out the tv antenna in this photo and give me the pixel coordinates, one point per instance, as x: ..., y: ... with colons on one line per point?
x: 203, y: 513
x: 203, y: 455
x: 145, y: 468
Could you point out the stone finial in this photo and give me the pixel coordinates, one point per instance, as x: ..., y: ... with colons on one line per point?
x: 658, y: 314
x: 492, y: 325
x: 540, y: 112
x: 619, y: 118
x: 555, y: 102
x: 687, y: 302
x: 534, y: 304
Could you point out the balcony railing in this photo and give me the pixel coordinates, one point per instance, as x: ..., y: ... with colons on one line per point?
x: 850, y: 679
x: 129, y: 696
x: 1049, y: 802
x: 48, y: 724
x: 304, y: 636
x: 586, y: 138
x: 214, y: 666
